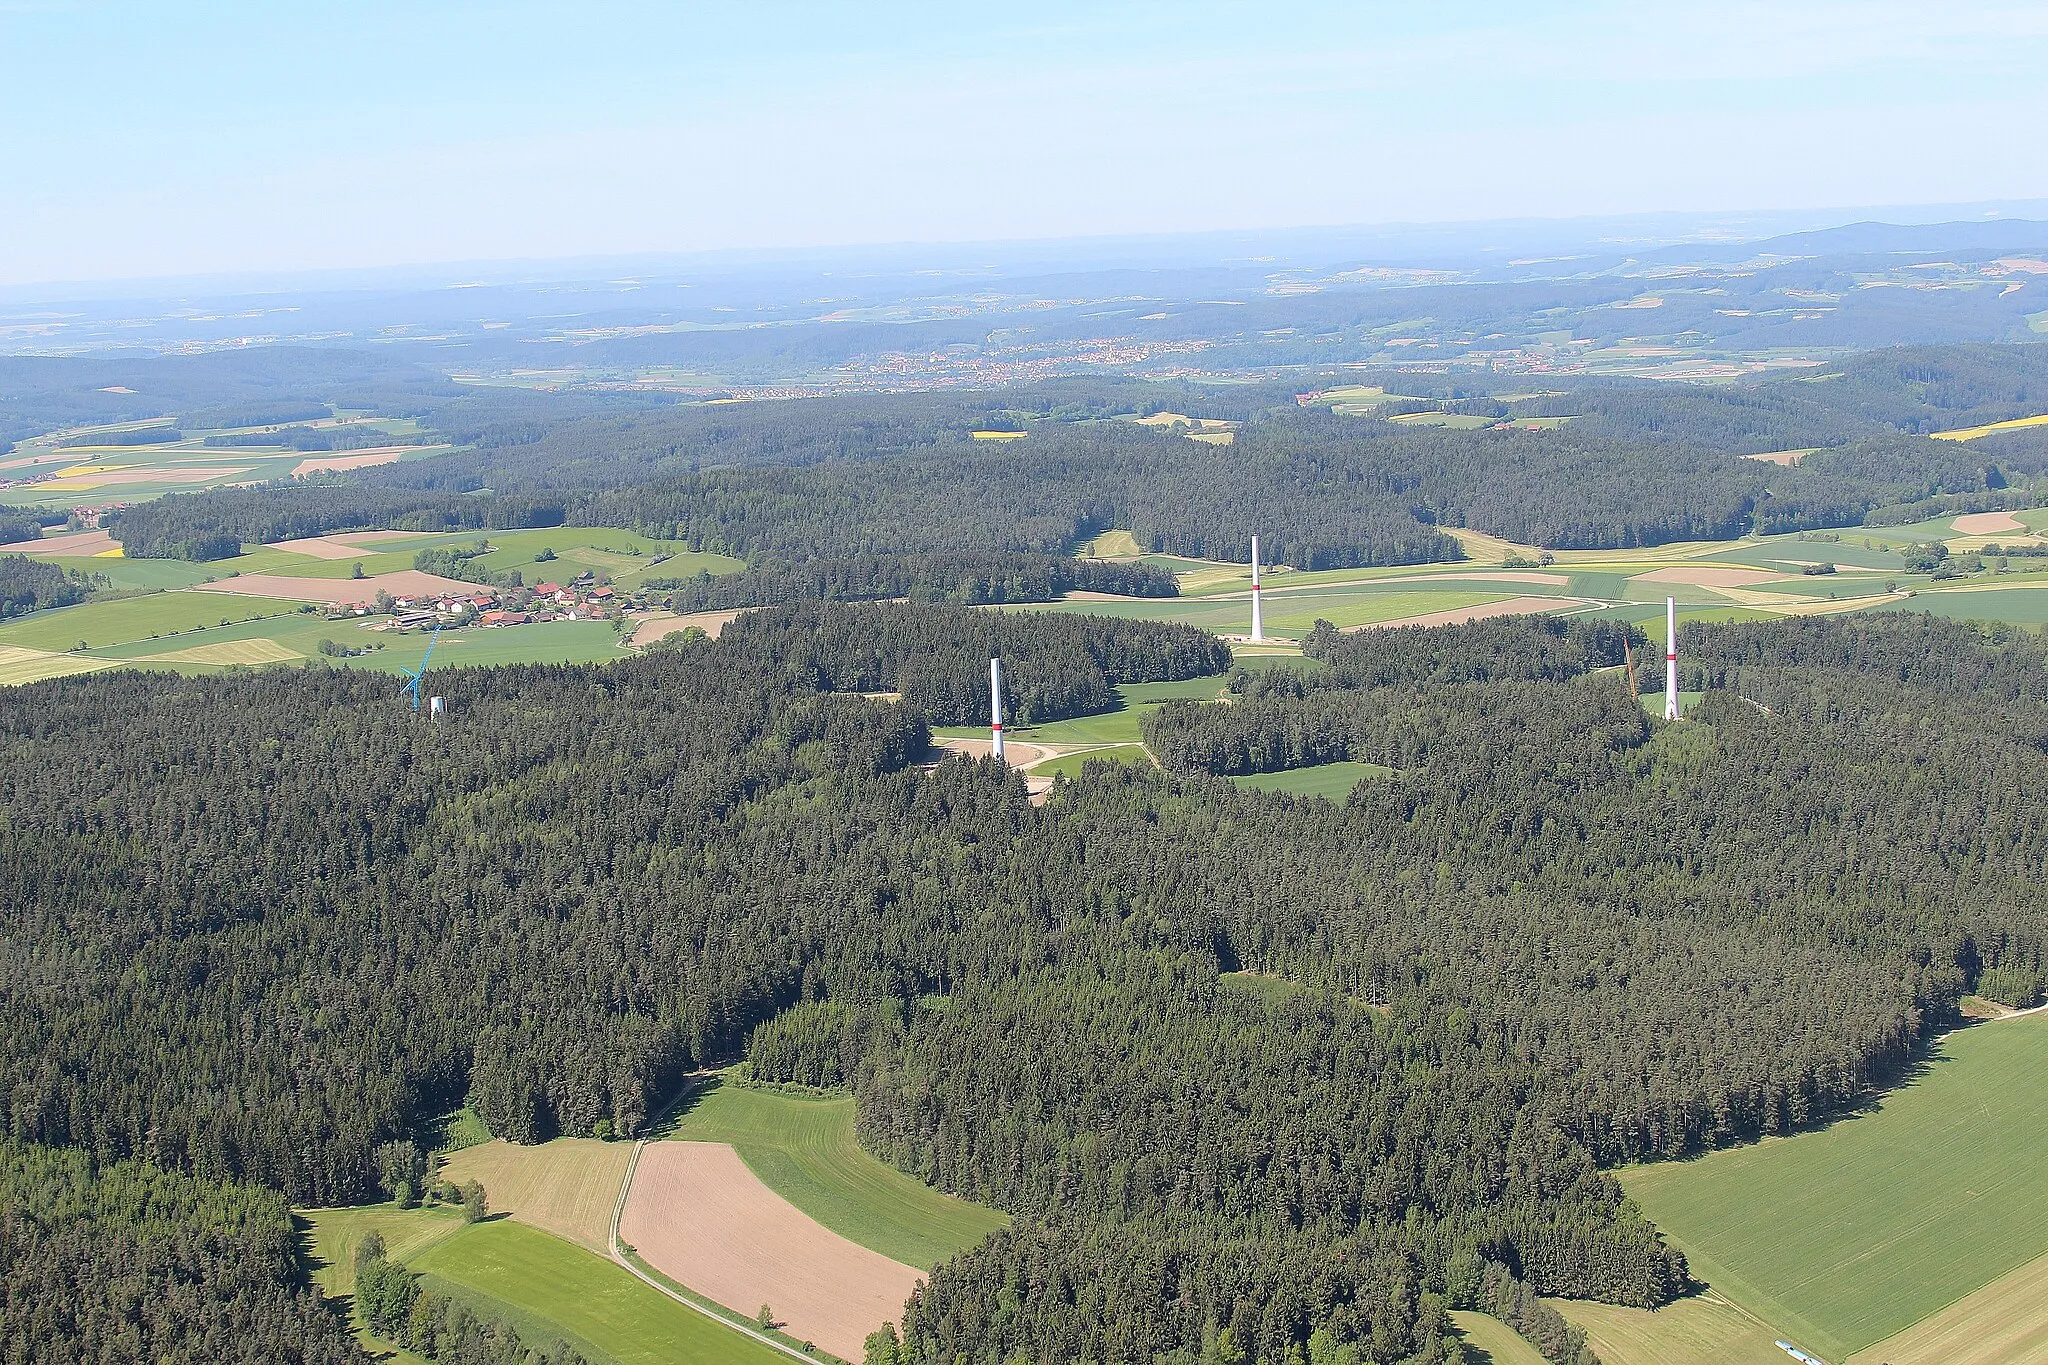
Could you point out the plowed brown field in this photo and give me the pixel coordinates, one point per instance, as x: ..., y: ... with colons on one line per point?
x: 698, y: 1215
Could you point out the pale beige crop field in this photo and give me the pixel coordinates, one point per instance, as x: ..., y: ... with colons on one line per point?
x: 1984, y: 523
x: 567, y: 1186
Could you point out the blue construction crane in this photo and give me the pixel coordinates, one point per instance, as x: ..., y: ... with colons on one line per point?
x: 412, y: 687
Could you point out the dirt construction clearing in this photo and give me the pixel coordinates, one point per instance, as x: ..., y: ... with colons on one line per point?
x: 698, y: 1215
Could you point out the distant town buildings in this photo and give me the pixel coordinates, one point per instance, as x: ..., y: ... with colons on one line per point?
x: 583, y: 599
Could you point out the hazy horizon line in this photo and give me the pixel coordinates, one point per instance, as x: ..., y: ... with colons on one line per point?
x: 1768, y: 222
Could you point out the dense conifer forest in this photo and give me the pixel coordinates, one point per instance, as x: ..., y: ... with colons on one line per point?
x: 967, y: 579
x: 260, y: 926
x: 130, y: 1262
x: 857, y: 477
x: 30, y: 585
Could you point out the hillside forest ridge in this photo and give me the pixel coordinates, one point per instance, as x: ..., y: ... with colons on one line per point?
x: 1317, y: 999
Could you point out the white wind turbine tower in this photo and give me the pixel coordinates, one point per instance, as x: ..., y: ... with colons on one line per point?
x: 995, y: 706
x: 1258, y: 617
x: 1671, y: 658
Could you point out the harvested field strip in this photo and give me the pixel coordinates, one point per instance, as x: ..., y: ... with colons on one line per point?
x: 586, y: 1297
x: 1710, y: 576
x: 78, y: 544
x: 1493, y: 1342
x: 1696, y: 1331
x: 257, y: 651
x: 1789, y: 603
x: 18, y: 666
x: 1296, y: 615
x: 805, y: 1150
x: 1113, y: 545
x: 1850, y: 1235
x: 1972, y: 433
x: 2006, y: 1320
x: 319, y: 547
x: 1449, y: 579
x: 661, y: 627
x: 699, y: 1215
x: 566, y: 1187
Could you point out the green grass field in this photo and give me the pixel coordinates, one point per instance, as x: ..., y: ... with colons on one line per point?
x: 1332, y: 781
x: 545, y: 1283
x: 334, y: 1235
x: 805, y: 1150
x: 1788, y: 554
x: 125, y: 620
x: 2015, y: 606
x: 1846, y: 1236
x: 1119, y: 726
x: 1272, y: 989
x: 132, y: 574
x: 1489, y: 1341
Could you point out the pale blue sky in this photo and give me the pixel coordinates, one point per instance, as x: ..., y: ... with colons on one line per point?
x: 145, y: 138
